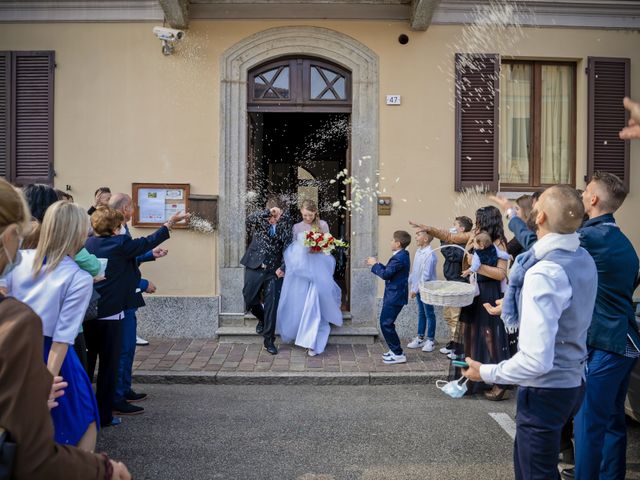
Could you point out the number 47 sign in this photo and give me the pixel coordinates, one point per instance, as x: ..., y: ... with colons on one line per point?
x: 394, y: 100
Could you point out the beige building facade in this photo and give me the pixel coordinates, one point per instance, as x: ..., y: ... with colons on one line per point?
x: 124, y: 113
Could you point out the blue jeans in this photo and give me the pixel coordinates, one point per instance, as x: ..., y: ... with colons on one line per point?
x: 541, y: 414
x: 426, y: 319
x: 599, y: 427
x: 388, y: 317
x: 127, y: 352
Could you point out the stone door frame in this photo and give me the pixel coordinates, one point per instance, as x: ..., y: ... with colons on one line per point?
x: 234, y: 66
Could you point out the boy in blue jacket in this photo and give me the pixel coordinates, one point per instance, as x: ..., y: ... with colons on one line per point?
x: 396, y: 293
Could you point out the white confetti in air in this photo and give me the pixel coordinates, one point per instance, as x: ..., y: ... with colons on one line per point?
x: 200, y: 225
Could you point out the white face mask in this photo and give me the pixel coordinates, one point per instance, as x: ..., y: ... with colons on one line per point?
x: 454, y: 388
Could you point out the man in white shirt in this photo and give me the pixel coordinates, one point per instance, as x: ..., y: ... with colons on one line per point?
x: 554, y: 306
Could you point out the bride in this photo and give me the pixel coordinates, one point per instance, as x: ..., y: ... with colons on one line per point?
x: 310, y: 298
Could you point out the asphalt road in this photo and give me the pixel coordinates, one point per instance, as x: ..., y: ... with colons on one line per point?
x: 318, y: 433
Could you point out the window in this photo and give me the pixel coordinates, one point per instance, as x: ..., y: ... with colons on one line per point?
x: 516, y: 121
x: 537, y: 124
x: 26, y: 117
x: 299, y: 84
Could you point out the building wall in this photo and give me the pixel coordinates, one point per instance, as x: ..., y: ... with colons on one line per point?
x: 124, y: 113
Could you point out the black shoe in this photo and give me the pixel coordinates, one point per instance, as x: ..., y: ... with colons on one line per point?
x: 124, y: 408
x: 133, y: 397
x: 270, y: 347
x: 260, y: 328
x: 568, y: 473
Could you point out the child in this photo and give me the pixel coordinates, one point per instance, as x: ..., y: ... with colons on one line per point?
x: 424, y: 269
x: 453, y: 272
x: 396, y: 293
x: 484, y: 253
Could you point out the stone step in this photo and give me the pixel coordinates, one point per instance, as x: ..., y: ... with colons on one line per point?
x: 248, y: 320
x: 347, y: 334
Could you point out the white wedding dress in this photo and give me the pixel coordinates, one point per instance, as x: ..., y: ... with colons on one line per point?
x: 310, y: 298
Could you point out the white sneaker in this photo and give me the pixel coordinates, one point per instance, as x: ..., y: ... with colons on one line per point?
x: 311, y: 352
x: 416, y: 343
x: 393, y: 358
x: 428, y: 346
x: 141, y: 341
x: 387, y: 354
x: 452, y: 355
x: 445, y: 350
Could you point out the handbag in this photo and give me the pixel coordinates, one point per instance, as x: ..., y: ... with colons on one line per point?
x: 92, y: 309
x: 7, y: 455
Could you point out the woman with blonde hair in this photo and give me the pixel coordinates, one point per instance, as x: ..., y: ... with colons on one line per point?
x: 310, y: 298
x: 58, y: 291
x: 26, y: 382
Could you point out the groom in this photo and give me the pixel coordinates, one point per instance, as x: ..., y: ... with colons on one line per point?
x: 271, y: 232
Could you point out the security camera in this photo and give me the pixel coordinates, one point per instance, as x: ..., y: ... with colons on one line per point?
x: 168, y: 36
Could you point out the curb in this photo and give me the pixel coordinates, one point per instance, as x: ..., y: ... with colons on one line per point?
x: 288, y: 378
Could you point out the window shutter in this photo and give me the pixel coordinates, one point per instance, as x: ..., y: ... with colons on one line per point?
x: 608, y: 85
x: 5, y: 103
x: 33, y: 117
x: 477, y: 117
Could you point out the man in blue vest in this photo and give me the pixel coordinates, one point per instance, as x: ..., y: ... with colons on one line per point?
x: 551, y: 295
x: 613, y: 340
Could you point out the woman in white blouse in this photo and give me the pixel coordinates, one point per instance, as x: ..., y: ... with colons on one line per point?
x: 58, y: 291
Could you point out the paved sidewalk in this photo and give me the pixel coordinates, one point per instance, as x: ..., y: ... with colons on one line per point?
x: 207, y: 361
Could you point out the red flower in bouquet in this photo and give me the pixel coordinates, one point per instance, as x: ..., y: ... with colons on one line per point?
x: 322, y: 242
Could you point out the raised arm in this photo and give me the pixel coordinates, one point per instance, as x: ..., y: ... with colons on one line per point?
x: 387, y: 272
x: 525, y: 237
x: 443, y: 235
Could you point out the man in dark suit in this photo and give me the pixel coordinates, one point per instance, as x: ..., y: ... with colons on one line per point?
x: 271, y: 232
x: 396, y: 293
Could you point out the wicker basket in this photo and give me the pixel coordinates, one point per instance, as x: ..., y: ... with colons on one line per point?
x: 447, y: 294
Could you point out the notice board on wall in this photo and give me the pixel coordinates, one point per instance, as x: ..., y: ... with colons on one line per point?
x: 155, y: 203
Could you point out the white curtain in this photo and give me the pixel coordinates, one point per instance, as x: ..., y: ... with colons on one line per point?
x: 555, y: 127
x: 515, y: 121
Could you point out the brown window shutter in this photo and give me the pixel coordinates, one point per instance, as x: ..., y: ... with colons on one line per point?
x: 608, y: 85
x: 5, y: 109
x: 33, y: 117
x: 477, y: 117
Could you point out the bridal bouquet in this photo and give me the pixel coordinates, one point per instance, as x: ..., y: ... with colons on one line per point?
x: 322, y: 242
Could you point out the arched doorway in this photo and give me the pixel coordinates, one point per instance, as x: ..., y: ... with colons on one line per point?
x: 299, y: 132
x: 236, y: 63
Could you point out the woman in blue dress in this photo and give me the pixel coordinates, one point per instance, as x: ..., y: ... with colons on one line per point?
x: 58, y: 291
x: 310, y: 298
